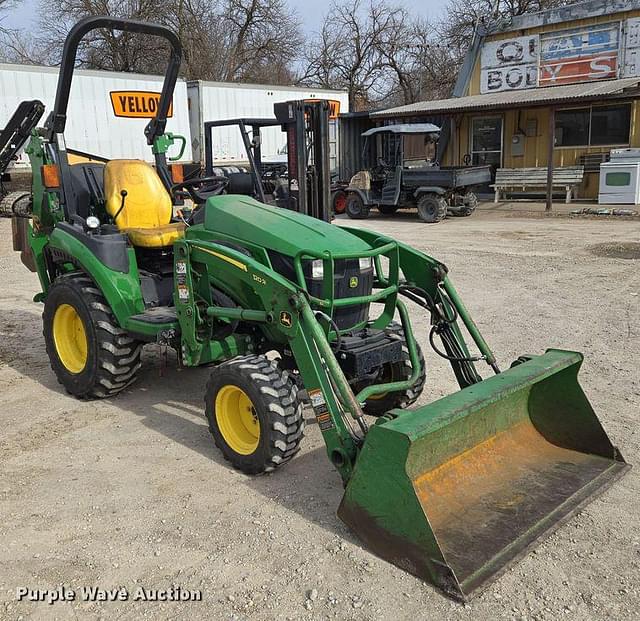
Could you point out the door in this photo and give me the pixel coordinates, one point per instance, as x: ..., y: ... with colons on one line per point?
x: 486, y: 146
x: 486, y: 141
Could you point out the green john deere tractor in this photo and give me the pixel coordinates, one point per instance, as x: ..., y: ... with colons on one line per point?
x: 289, y: 310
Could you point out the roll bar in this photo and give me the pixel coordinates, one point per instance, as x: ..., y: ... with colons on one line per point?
x: 58, y: 118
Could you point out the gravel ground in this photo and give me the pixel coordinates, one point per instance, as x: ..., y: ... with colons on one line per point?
x: 131, y: 491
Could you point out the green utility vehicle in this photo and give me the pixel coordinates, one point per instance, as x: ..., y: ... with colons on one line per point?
x: 289, y: 310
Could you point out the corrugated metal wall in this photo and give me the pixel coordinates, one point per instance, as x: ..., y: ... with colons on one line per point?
x: 92, y: 126
x: 350, y: 129
x: 218, y: 101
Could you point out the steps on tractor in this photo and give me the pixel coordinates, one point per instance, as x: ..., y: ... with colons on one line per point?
x: 157, y: 315
x: 157, y: 324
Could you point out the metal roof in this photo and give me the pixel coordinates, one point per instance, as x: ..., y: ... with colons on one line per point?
x: 526, y: 98
x: 404, y: 128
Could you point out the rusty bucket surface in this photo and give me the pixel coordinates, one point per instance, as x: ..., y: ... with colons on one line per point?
x: 456, y: 490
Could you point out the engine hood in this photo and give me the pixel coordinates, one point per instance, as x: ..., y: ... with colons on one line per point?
x: 275, y: 228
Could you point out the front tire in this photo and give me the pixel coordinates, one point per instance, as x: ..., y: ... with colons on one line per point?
x: 254, y: 414
x: 355, y: 208
x: 91, y: 356
x: 393, y: 372
x: 432, y: 208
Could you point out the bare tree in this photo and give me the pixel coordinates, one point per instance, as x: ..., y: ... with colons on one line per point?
x: 6, y: 34
x: 100, y: 49
x: 347, y: 52
x: 228, y: 40
x: 263, y: 37
x: 238, y: 40
x: 420, y: 68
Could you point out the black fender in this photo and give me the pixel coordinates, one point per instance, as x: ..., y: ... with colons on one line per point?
x: 363, y: 194
x: 426, y: 189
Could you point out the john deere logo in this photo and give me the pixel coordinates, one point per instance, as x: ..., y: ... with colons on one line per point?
x: 353, y: 282
x: 285, y: 319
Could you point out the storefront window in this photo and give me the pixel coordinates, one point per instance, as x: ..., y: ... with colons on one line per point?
x: 594, y: 126
x: 611, y: 125
x: 572, y: 128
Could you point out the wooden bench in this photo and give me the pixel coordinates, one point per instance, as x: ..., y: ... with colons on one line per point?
x: 567, y: 178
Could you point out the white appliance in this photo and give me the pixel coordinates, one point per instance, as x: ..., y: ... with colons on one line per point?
x: 620, y: 178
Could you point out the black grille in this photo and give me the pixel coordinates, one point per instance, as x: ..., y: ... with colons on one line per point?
x: 345, y: 271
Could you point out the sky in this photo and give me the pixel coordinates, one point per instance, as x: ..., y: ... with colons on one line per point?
x: 311, y: 11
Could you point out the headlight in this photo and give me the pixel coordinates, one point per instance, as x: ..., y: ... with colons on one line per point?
x: 317, y: 268
x: 92, y: 222
x: 365, y: 263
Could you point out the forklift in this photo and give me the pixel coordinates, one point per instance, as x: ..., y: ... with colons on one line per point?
x: 306, y: 127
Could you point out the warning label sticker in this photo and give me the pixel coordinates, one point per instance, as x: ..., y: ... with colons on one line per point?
x: 183, y: 292
x: 317, y: 398
x: 320, y: 410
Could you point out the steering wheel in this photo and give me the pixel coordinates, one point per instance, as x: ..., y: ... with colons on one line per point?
x: 201, y: 188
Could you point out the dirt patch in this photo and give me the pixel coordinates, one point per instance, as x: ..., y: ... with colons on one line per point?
x: 617, y: 250
x: 519, y: 235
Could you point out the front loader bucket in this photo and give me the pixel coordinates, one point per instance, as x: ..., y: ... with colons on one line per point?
x: 454, y: 491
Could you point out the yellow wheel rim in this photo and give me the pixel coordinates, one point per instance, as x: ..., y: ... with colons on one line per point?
x: 237, y: 419
x: 70, y: 338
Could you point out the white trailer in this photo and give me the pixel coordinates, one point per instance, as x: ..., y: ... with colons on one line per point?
x: 94, y: 127
x: 209, y: 101
x: 92, y: 124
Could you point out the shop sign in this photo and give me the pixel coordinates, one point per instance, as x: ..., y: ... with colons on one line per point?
x: 509, y: 64
x: 579, y: 55
x: 631, y: 68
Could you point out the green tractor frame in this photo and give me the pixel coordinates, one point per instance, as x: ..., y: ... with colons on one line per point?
x: 290, y: 311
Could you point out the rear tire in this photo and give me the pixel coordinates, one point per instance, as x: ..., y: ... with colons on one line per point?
x: 388, y: 210
x: 432, y: 208
x: 254, y: 414
x: 395, y: 372
x: 90, y: 354
x: 470, y: 203
x: 355, y: 208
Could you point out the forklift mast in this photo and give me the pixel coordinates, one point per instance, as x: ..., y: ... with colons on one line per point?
x: 306, y: 124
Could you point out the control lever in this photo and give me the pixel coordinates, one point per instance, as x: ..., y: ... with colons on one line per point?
x: 123, y: 194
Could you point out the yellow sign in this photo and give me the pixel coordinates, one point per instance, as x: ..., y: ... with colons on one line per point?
x: 334, y: 107
x: 136, y: 104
